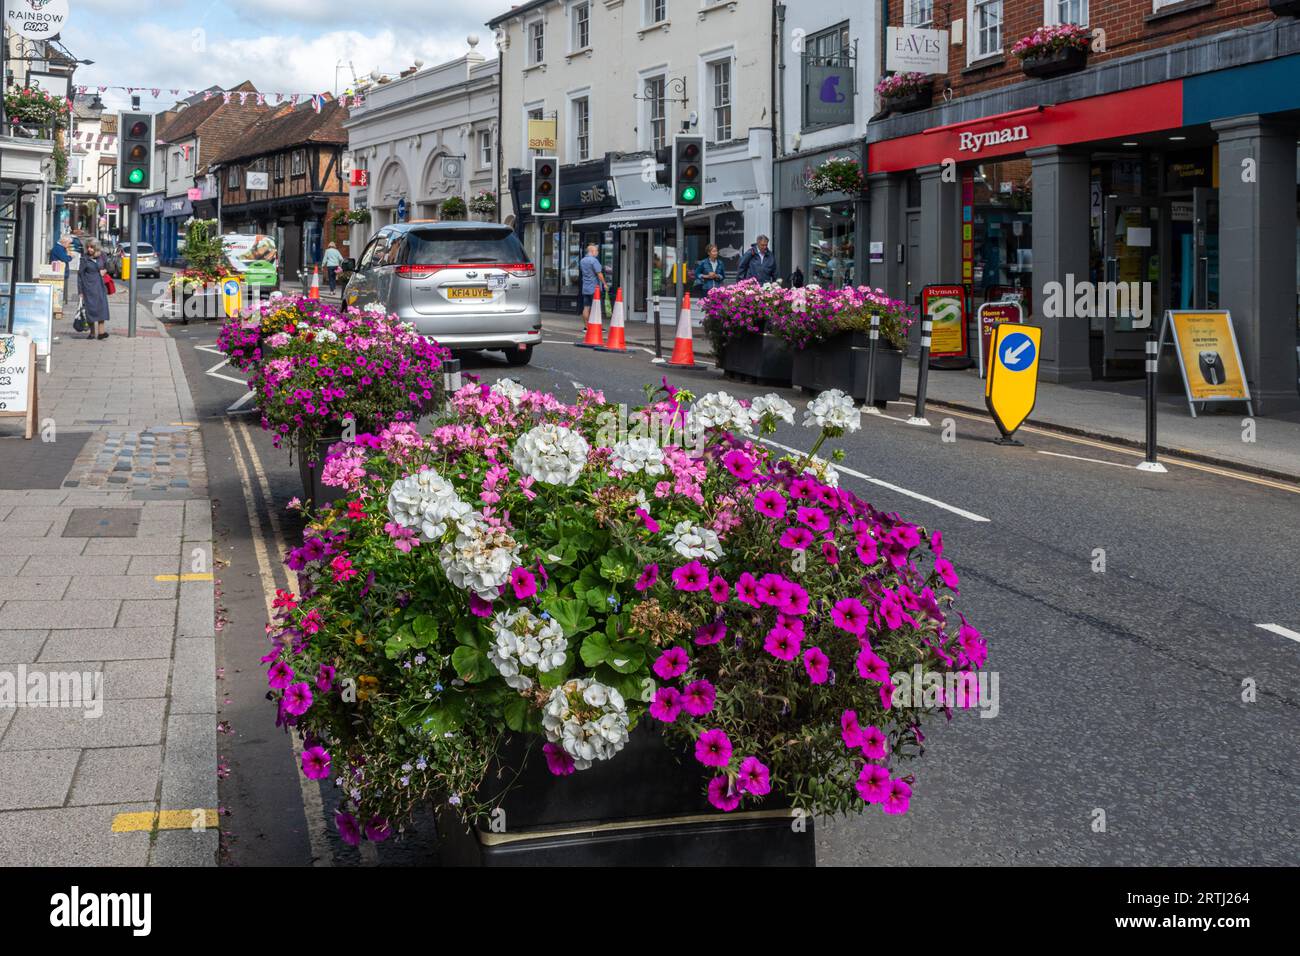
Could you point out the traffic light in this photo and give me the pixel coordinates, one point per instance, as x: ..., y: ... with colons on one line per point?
x: 688, y: 171
x: 135, y: 140
x: 546, y: 186
x: 664, y: 166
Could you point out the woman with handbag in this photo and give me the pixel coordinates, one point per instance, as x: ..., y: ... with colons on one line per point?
x: 94, y: 294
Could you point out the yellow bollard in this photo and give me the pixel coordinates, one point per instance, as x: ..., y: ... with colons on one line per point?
x: 126, y: 268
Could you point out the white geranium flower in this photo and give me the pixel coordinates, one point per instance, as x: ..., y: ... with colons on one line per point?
x: 511, y: 389
x: 325, y: 335
x: 835, y: 410
x: 586, y: 739
x: 521, y: 639
x: 480, y: 559
x: 719, y: 410
x: 638, y: 455
x: 771, y: 404
x: 692, y: 541
x: 428, y: 502
x: 551, y: 454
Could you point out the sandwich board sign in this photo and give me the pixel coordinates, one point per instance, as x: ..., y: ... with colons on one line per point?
x: 946, y: 307
x: 988, y: 317
x: 1011, y: 388
x: 18, y: 379
x: 1208, y: 357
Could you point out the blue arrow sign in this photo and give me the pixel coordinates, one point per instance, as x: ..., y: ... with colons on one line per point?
x: 1017, y: 352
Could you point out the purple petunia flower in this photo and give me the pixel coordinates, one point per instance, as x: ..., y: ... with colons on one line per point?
x: 698, y: 698
x: 672, y: 663
x: 297, y: 699
x: 648, y: 578
x: 722, y: 795
x: 754, y: 777
x: 315, y: 763
x: 816, y: 664
x: 691, y: 577
x: 873, y: 783
x: 719, y: 589
x: 667, y: 704
x: 713, y: 748
x: 349, y: 830
x: 770, y: 503
x: 898, y: 798
x: 279, y: 676
x: 558, y: 760
x: 711, y: 633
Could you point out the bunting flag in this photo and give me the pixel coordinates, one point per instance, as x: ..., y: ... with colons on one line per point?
x: 318, y: 101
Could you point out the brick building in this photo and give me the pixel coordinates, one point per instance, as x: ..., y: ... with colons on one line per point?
x: 298, y: 153
x: 1166, y: 155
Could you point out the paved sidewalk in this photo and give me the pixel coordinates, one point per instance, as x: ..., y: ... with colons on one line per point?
x: 107, y: 607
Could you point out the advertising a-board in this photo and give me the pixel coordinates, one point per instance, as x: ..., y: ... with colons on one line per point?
x: 946, y: 306
x: 1206, y: 346
x: 253, y: 257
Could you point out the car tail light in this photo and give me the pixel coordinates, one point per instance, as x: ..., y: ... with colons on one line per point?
x: 520, y: 269
x: 420, y: 271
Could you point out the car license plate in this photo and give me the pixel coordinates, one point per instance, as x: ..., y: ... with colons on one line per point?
x: 461, y: 292
x: 497, y: 281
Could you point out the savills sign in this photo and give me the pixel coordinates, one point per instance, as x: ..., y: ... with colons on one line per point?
x: 974, y: 142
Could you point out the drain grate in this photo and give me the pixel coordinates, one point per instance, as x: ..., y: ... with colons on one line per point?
x: 103, y: 523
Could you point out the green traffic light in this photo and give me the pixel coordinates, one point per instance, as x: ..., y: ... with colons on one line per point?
x: 544, y: 204
x: 135, y: 177
x: 689, y: 194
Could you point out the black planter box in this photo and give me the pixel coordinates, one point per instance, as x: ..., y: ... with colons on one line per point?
x: 1069, y: 59
x: 842, y: 362
x: 319, y: 494
x: 1285, y: 8
x: 758, y: 357
x: 910, y: 102
x: 203, y: 302
x: 643, y: 807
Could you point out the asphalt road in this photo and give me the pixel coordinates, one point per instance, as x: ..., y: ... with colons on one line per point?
x: 1121, y: 736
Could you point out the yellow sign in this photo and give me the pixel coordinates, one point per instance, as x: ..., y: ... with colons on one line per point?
x: 541, y: 135
x: 232, y: 296
x: 1011, y: 389
x: 1207, y: 351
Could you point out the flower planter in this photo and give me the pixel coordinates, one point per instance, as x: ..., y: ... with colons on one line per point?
x: 1285, y: 8
x: 310, y: 471
x: 1068, y: 59
x: 758, y: 358
x: 842, y: 362
x: 910, y: 102
x: 201, y: 302
x: 644, y: 807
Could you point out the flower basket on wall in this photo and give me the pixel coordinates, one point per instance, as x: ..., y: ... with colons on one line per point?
x: 484, y: 203
x: 1054, y: 50
x: 905, y: 92
x: 839, y: 174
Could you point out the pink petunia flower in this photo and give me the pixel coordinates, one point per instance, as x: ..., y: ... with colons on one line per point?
x: 666, y: 705
x: 279, y: 676
x: 830, y: 552
x: 850, y: 730
x: 873, y: 783
x: 648, y: 578
x: 754, y: 777
x: 873, y: 743
x: 796, y: 601
x: 297, y: 699
x: 719, y: 589
x: 672, y: 663
x: 711, y: 633
x: 325, y: 678
x: 739, y: 464
x: 558, y: 760
x: 713, y: 748
x: 773, y: 590
x: 782, y: 643
x: 943, y: 567
x: 747, y: 590
x: 479, y: 607
x: 850, y: 615
x: 770, y: 503
x: 651, y: 525
x: 698, y: 698
x: 524, y: 583
x: 872, y: 667
x: 378, y: 830
x: 817, y: 665
x: 814, y: 518
x: 898, y: 798
x: 722, y: 795
x: 315, y: 763
x: 349, y: 829
x: 691, y: 577
x: 796, y: 539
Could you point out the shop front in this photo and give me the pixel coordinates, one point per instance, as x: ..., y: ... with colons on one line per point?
x: 150, y: 210
x: 1099, y: 214
x: 177, y: 211
x: 557, y: 244
x: 823, y: 235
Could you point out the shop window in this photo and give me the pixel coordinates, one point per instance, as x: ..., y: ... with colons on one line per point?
x: 986, y: 28
x: 831, y: 245
x: 1001, y: 250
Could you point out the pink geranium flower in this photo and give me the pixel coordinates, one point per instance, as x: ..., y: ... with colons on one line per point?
x: 817, y: 665
x: 753, y: 777
x: 666, y: 705
x: 713, y: 748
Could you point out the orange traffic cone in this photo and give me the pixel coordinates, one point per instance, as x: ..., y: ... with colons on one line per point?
x: 314, y: 292
x: 683, y: 345
x: 617, y: 341
x: 595, y: 333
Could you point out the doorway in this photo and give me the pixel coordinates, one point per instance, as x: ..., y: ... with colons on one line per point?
x: 912, y: 263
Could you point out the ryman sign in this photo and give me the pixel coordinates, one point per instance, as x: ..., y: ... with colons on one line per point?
x: 974, y: 142
x: 914, y: 50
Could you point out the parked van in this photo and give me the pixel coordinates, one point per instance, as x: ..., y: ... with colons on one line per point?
x: 256, y: 258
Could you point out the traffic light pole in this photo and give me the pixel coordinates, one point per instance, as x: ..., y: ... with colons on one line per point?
x: 680, y: 269
x: 134, y: 248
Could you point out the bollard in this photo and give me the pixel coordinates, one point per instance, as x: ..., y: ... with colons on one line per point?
x: 922, y: 376
x: 451, y: 378
x: 1150, y: 462
x: 870, y: 406
x: 659, y: 346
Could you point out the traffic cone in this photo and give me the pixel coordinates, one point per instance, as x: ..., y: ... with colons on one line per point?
x: 595, y: 332
x: 617, y: 341
x: 314, y: 292
x: 684, y: 345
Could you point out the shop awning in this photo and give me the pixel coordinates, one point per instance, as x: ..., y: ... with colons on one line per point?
x: 644, y: 218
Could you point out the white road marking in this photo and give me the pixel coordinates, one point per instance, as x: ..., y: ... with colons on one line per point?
x: 961, y: 512
x: 1095, y: 461
x: 1281, y: 631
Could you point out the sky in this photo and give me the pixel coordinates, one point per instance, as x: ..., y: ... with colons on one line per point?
x: 288, y: 46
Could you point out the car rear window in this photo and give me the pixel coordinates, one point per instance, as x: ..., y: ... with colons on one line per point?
x: 144, y: 247
x: 449, y: 246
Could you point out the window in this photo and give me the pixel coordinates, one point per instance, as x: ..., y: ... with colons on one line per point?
x: 986, y: 28
x: 828, y: 48
x: 279, y: 167
x: 298, y: 163
x: 484, y: 148
x: 720, y: 91
x: 581, y: 19
x: 1066, y: 11
x: 658, y: 118
x: 581, y: 129
x: 536, y: 42
x: 919, y: 13
x: 656, y: 11
x: 176, y: 164
x: 232, y: 178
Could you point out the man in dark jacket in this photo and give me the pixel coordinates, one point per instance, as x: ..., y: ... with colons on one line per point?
x: 757, y: 263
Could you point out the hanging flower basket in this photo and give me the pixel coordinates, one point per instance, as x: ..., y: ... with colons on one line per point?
x: 453, y: 208
x: 905, y: 92
x: 839, y: 174
x: 1054, y: 50
x: 483, y: 204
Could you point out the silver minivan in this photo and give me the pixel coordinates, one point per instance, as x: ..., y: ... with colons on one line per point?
x: 468, y: 285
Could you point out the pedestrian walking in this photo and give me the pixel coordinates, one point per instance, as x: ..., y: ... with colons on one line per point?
x: 759, y: 262
x: 593, y: 276
x: 94, y: 294
x: 710, y: 272
x: 332, y: 261
x: 60, y: 253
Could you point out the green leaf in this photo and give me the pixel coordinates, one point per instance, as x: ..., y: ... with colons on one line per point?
x: 403, y: 640
x: 571, y: 614
x: 595, y: 649
x: 591, y: 587
x: 440, y: 717
x: 425, y: 627
x: 556, y: 675
x: 470, y: 634
x: 472, y: 664
x: 516, y: 714
x: 626, y: 657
